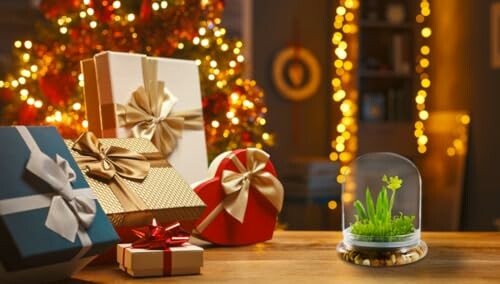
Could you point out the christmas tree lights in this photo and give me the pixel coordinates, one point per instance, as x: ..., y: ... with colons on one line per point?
x: 47, y: 86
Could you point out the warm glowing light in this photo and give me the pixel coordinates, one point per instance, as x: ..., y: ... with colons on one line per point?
x: 424, y: 62
x: 18, y: 44
x: 332, y: 204
x: 205, y: 42
x: 425, y: 83
x: 180, y: 45
x: 28, y: 44
x: 30, y: 101
x: 426, y: 32
x: 85, y: 124
x: 93, y: 24
x: 266, y: 136
x: 451, y: 151
x: 235, y: 120
x: 229, y: 114
x: 63, y: 30
x: 341, y: 10
x: 423, y: 115
x: 196, y: 40
x: 240, y: 58
x: 77, y: 106
x: 224, y: 47
x: 38, y: 104
x: 215, y: 124
x: 334, y: 156
x: 155, y: 6
x: 202, y: 31
x: 422, y: 140
x: 465, y: 119
x: 117, y: 4
x: 164, y: 4
x: 425, y: 50
x: 130, y: 17
x: 422, y: 149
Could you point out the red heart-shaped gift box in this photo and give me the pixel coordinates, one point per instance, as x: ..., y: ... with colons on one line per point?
x: 243, y: 198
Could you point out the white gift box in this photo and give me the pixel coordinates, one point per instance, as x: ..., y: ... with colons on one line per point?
x: 112, y: 77
x: 182, y: 260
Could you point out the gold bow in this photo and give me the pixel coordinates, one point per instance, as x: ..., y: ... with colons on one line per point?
x: 110, y: 164
x: 149, y: 112
x: 236, y: 186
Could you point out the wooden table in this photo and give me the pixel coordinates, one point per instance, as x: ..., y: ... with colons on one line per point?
x: 300, y: 256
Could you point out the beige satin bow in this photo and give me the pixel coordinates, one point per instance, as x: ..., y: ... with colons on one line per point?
x: 236, y: 186
x: 109, y: 164
x: 149, y: 112
x: 67, y: 210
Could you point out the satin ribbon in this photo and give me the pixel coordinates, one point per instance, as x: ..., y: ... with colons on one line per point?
x: 237, y: 184
x: 111, y: 164
x: 149, y: 112
x: 159, y: 237
x: 71, y: 212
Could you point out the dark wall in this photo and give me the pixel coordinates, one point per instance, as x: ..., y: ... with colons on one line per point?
x: 303, y: 128
x: 463, y: 79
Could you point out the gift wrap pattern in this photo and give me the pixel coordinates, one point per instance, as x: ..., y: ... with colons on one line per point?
x: 51, y: 225
x: 162, y: 193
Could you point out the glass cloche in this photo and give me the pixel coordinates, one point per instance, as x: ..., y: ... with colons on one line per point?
x: 381, y: 211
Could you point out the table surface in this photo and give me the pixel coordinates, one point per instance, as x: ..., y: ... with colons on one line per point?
x: 298, y: 256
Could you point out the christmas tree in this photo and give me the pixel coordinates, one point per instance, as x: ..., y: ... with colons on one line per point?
x: 46, y: 86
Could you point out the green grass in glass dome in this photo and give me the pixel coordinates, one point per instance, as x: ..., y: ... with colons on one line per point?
x: 377, y: 220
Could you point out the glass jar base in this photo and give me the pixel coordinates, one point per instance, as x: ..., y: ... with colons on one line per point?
x: 382, y: 257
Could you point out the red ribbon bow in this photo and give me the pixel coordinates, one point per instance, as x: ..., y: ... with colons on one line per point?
x: 159, y: 237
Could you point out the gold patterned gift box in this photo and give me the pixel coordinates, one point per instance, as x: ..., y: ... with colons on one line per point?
x: 133, y: 182
x: 159, y: 99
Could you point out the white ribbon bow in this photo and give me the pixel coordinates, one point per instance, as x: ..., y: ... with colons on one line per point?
x: 67, y: 211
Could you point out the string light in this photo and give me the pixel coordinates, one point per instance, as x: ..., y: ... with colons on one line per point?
x: 344, y: 93
x: 423, y: 64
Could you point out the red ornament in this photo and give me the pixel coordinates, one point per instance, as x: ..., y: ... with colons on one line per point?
x: 27, y: 115
x: 52, y: 9
x: 57, y: 88
x: 146, y: 11
x: 243, y: 199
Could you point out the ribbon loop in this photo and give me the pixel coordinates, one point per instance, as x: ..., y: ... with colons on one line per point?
x: 159, y: 237
x: 107, y: 163
x: 149, y: 112
x: 66, y: 211
x: 236, y: 185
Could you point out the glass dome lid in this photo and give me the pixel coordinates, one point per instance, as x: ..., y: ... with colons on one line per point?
x: 381, y: 202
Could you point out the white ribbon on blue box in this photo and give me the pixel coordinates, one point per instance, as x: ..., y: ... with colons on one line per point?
x: 47, y: 209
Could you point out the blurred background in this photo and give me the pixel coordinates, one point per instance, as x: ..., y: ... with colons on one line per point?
x: 335, y: 79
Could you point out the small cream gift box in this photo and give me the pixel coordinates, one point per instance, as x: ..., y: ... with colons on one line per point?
x: 132, y: 95
x: 181, y: 260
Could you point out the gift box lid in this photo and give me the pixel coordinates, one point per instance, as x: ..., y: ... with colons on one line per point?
x: 25, y: 240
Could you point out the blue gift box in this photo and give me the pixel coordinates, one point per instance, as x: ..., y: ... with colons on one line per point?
x: 27, y: 240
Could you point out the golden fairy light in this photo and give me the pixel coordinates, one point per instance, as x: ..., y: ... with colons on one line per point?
x: 344, y: 94
x: 422, y: 64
